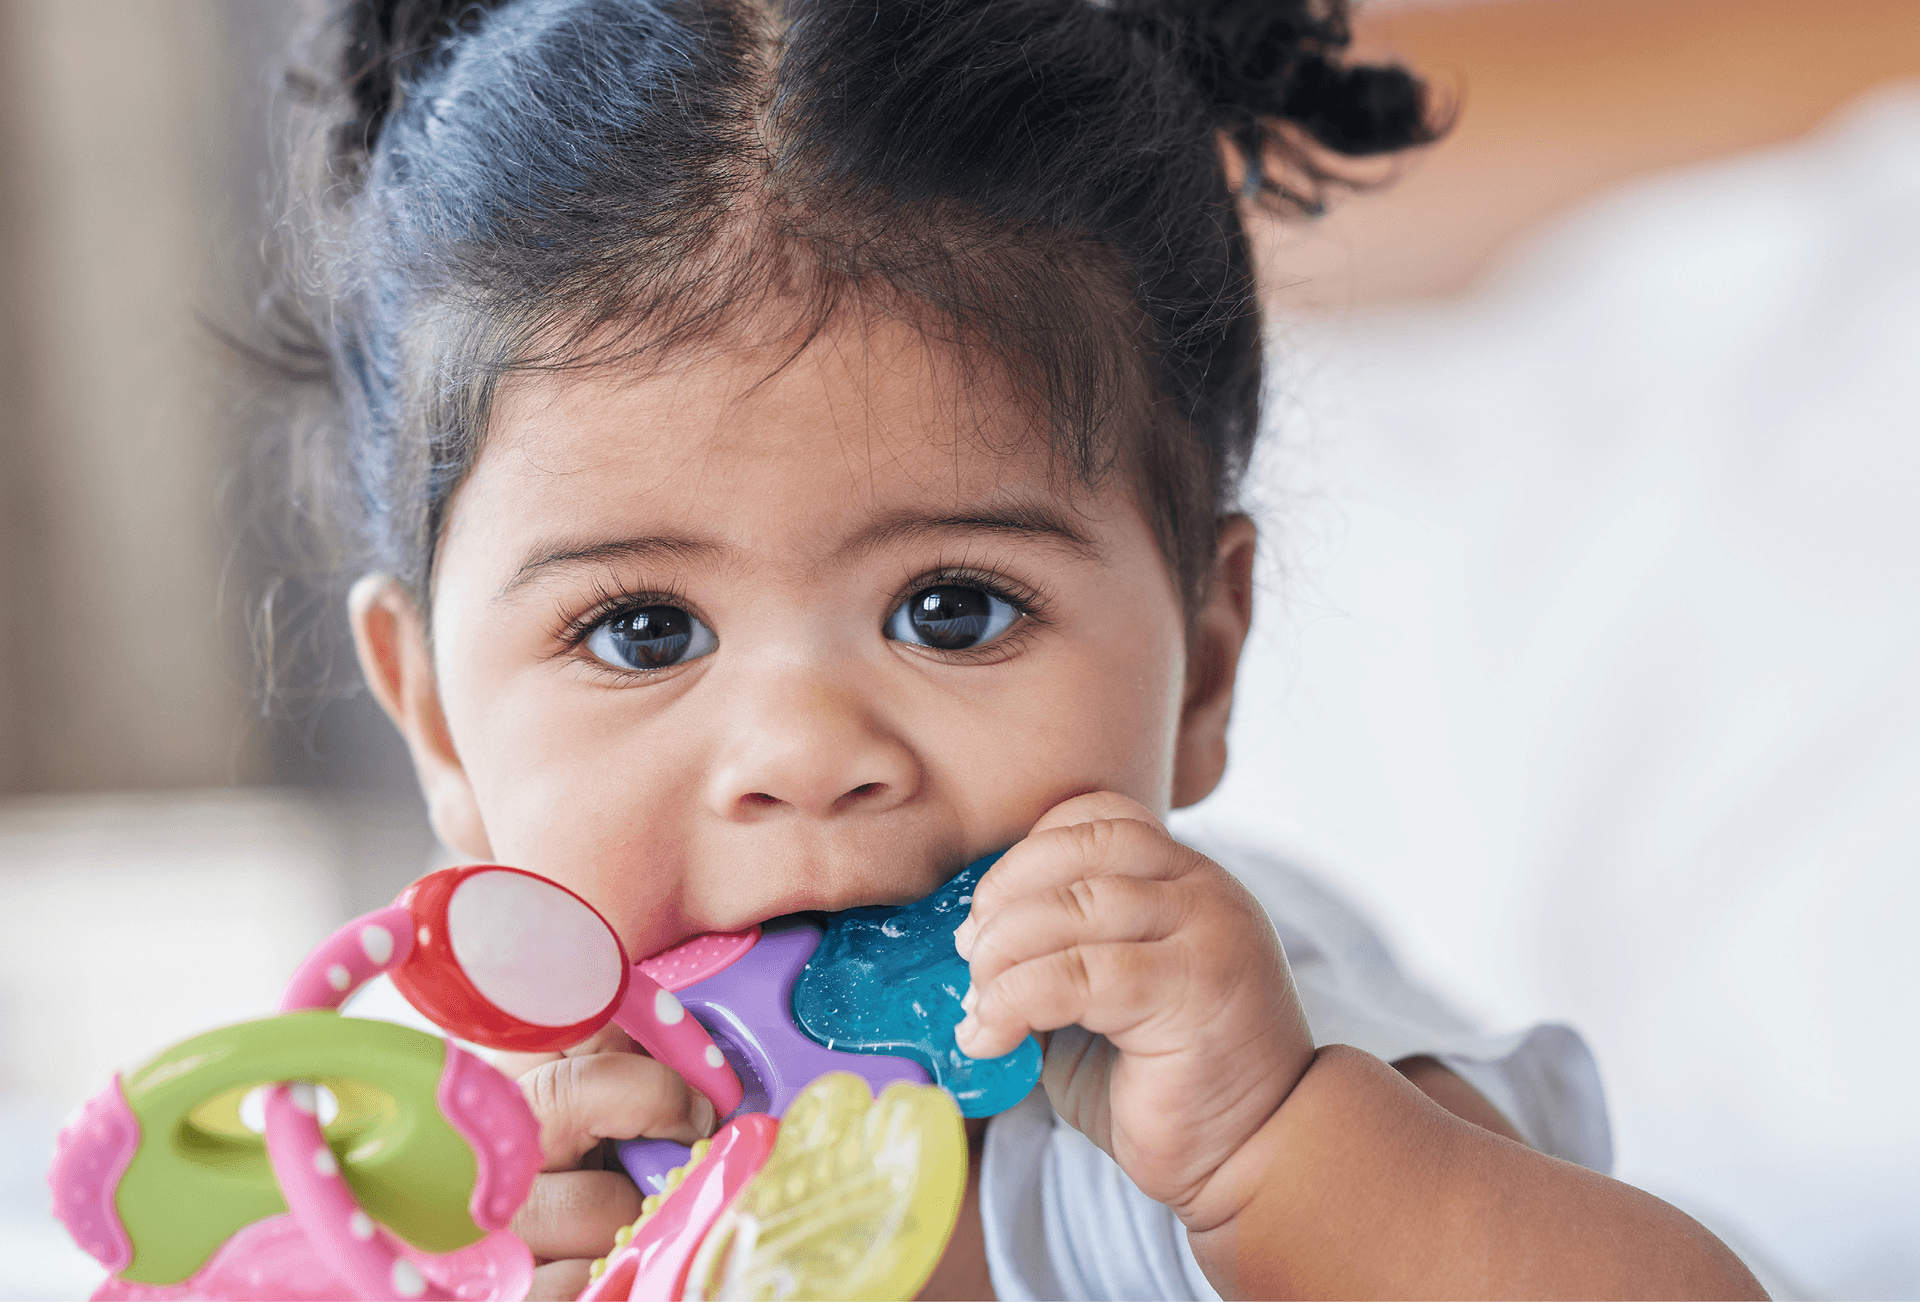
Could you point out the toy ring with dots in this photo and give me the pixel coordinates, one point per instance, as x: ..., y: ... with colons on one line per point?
x: 473, y: 948
x: 437, y: 1147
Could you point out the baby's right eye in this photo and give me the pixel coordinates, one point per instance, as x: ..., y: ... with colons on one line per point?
x: 651, y: 637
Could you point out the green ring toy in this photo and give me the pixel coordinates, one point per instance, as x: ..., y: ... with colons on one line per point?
x: 198, y: 1174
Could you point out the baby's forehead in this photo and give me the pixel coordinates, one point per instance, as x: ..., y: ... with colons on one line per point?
x: 855, y: 440
x: 880, y: 407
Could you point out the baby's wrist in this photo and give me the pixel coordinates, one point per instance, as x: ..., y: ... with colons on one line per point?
x: 1217, y: 1201
x: 1351, y: 1145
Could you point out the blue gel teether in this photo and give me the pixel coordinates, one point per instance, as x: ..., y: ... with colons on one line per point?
x: 888, y: 980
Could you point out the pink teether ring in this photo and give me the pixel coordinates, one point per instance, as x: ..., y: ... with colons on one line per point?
x: 343, y: 1237
x: 483, y: 1107
x: 661, y: 1025
x: 349, y: 958
x: 487, y: 1110
x: 273, y: 1258
x: 508, y: 959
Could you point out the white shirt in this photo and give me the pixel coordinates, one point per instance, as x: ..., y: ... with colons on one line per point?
x: 1063, y: 1221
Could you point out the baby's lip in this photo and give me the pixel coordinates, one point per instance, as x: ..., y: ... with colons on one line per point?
x: 818, y: 917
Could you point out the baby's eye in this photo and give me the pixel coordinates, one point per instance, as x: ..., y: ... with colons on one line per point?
x: 652, y: 637
x: 951, y: 617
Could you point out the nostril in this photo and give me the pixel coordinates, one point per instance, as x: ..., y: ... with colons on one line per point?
x: 864, y: 794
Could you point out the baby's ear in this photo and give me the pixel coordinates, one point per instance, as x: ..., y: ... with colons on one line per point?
x: 1213, y: 658
x: 391, y: 638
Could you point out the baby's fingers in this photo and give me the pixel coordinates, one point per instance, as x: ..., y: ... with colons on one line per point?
x: 1092, y: 808
x: 581, y: 1101
x: 1107, y: 988
x: 576, y: 1213
x: 1058, y: 855
x: 1085, y: 911
x: 608, y: 1039
x: 559, y: 1281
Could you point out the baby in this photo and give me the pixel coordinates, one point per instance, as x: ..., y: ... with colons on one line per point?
x: 794, y: 446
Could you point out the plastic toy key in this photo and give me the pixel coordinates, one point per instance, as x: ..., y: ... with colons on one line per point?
x: 747, y: 1006
x: 876, y: 994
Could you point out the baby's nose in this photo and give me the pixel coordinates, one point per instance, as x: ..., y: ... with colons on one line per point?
x: 813, y: 749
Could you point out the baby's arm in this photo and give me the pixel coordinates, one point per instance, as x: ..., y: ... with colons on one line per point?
x: 1362, y: 1186
x: 1296, y: 1173
x: 594, y: 1092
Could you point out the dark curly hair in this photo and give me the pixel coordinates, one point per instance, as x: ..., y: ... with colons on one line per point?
x: 564, y: 183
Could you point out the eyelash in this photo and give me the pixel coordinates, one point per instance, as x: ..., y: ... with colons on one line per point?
x: 571, y: 631
x: 1030, y: 602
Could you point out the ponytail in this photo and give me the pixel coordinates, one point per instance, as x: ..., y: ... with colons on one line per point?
x: 1271, y: 70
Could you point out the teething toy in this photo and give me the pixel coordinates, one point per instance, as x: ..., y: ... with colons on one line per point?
x: 847, y: 1196
x: 746, y: 1006
x: 699, y: 958
x: 475, y: 949
x: 407, y: 1191
x: 274, y: 1259
x: 437, y: 1146
x: 650, y: 1256
x: 858, y: 1199
x: 887, y: 980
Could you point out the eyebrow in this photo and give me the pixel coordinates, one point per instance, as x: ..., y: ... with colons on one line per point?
x: 564, y: 556
x: 1034, y: 523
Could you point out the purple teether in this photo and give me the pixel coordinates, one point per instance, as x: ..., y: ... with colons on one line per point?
x: 747, y: 1008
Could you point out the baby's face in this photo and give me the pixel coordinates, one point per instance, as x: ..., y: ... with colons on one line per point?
x: 709, y: 647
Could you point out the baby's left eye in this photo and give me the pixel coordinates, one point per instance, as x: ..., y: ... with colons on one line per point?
x: 951, y: 617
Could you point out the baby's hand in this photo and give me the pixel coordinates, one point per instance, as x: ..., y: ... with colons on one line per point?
x: 1183, y: 1030
x: 597, y: 1091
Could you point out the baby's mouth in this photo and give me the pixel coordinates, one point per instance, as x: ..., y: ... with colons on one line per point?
x: 875, y: 990
x: 898, y: 887
x: 878, y: 980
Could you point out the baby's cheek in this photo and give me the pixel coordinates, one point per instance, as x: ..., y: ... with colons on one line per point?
x: 588, y: 823
x: 1108, y: 723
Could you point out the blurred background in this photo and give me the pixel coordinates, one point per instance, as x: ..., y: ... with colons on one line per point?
x: 1584, y: 661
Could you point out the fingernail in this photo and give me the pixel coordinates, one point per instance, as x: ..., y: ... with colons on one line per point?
x: 705, y: 1118
x: 963, y: 937
x: 965, y: 1030
x: 969, y: 999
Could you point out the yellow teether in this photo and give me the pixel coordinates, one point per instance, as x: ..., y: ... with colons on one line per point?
x: 857, y: 1200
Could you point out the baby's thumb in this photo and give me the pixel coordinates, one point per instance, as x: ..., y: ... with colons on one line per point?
x: 1094, y: 807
